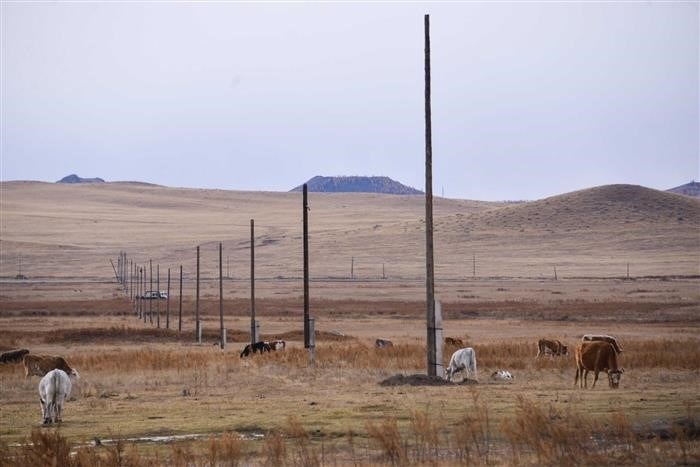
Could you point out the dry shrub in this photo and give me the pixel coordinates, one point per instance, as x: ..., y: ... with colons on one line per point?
x: 44, y: 447
x: 554, y: 437
x: 472, y: 435
x: 182, y: 455
x: 425, y: 431
x: 274, y: 449
x: 111, y: 455
x: 387, y: 437
x: 226, y: 451
x: 302, y: 454
x: 50, y: 448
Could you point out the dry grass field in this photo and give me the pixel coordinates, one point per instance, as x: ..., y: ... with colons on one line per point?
x: 140, y: 382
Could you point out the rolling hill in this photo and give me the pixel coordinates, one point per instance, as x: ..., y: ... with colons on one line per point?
x: 321, y: 184
x: 71, y: 231
x: 689, y: 189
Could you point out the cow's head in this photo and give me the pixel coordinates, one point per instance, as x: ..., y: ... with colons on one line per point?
x: 75, y: 373
x: 614, y: 377
x: 564, y: 350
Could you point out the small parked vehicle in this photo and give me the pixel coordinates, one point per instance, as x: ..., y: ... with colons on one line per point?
x: 154, y: 295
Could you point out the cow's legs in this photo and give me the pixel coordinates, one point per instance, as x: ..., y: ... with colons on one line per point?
x: 44, y: 411
x: 595, y: 380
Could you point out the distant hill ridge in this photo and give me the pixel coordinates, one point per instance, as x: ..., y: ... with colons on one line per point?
x: 73, y: 178
x: 689, y: 189
x: 357, y: 184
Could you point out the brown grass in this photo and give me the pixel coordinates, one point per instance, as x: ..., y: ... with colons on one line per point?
x: 591, y: 233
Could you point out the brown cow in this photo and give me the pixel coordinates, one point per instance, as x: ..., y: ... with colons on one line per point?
x: 455, y: 341
x: 277, y: 344
x: 604, y: 338
x: 382, y: 343
x: 551, y: 347
x: 597, y: 356
x: 13, y: 356
x: 39, y: 365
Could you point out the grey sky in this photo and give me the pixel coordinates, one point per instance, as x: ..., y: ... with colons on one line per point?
x: 529, y: 99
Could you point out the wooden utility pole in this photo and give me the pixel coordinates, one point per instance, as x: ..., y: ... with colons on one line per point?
x: 222, y: 332
x: 157, y: 296
x: 434, y: 366
x: 254, y: 337
x: 305, y: 209
x: 150, y: 294
x: 143, y: 292
x: 167, y: 305
x: 352, y: 267
x: 179, y: 314
x: 198, y: 325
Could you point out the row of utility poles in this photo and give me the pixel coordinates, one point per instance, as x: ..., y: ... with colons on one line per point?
x: 434, y: 320
x: 134, y: 278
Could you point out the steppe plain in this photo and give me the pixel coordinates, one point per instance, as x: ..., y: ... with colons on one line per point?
x: 495, y: 276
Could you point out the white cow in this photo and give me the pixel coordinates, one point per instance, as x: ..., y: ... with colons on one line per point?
x: 462, y: 359
x: 54, y: 389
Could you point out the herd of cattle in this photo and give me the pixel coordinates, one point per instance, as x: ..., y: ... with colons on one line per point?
x: 596, y: 353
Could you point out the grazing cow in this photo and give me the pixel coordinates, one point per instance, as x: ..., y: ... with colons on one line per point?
x: 597, y: 356
x: 13, y: 356
x: 455, y: 341
x: 551, y: 347
x: 257, y: 347
x: 277, y: 344
x: 39, y: 365
x: 604, y: 338
x: 381, y: 343
x: 462, y: 359
x: 502, y: 375
x: 54, y: 389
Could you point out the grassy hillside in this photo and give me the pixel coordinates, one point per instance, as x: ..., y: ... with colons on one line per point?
x: 58, y: 230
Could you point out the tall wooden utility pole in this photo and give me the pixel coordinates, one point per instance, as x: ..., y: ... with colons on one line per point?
x: 305, y: 208
x: 222, y: 332
x: 254, y: 337
x: 143, y: 292
x: 179, y: 317
x: 150, y: 300
x: 167, y: 305
x: 434, y: 348
x: 158, y: 295
x: 198, y: 325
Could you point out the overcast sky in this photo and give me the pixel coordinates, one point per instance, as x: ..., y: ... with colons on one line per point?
x: 529, y: 99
